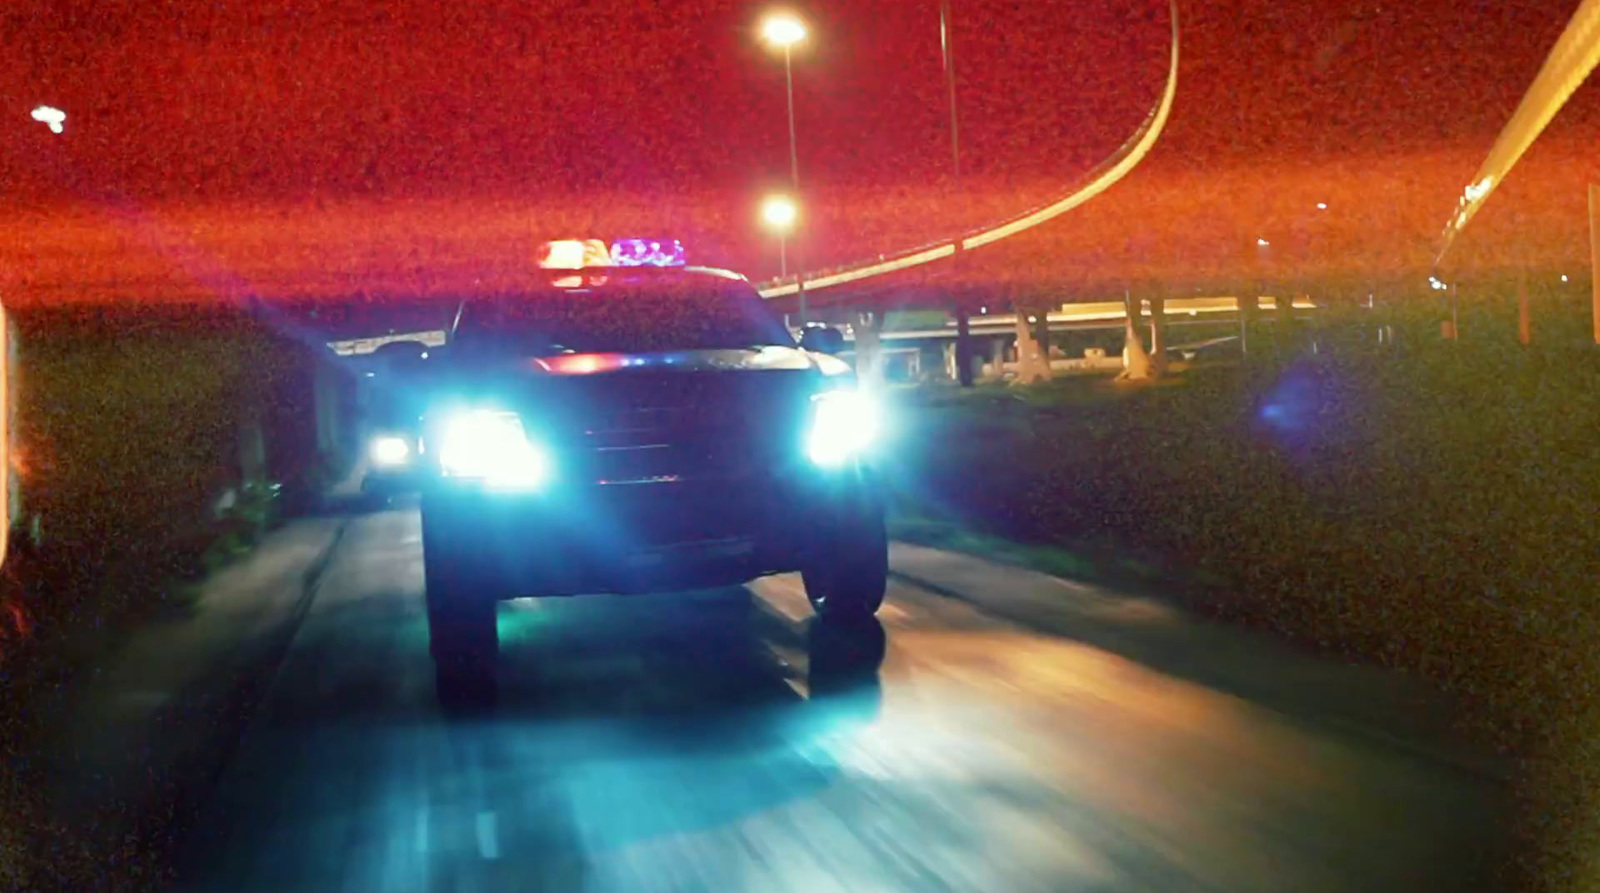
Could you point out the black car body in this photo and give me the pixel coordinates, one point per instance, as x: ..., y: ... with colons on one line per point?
x: 648, y: 430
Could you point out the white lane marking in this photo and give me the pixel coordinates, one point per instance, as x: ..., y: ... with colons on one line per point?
x: 488, y: 845
x: 422, y: 830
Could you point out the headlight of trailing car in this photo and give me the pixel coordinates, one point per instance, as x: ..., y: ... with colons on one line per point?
x: 388, y: 451
x: 844, y: 424
x: 492, y: 447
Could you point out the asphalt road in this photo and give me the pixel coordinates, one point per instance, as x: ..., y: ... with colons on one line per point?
x: 718, y: 742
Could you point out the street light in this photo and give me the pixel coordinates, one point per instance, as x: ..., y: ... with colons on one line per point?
x: 784, y: 30
x: 779, y: 213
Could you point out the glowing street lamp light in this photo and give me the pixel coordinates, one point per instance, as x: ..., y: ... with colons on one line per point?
x: 782, y: 29
x: 779, y: 213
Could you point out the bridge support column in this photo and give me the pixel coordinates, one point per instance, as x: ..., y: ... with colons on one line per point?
x: 1249, y: 302
x: 868, y: 326
x: 1033, y: 358
x: 963, y: 345
x: 1158, y: 332
x: 1288, y: 333
x: 1135, y: 361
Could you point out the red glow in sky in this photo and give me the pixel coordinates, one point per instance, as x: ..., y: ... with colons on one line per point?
x: 362, y: 145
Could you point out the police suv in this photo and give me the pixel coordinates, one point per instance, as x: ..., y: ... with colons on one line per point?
x: 632, y: 429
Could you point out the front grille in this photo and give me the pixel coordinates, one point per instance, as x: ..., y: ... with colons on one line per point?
x: 686, y: 427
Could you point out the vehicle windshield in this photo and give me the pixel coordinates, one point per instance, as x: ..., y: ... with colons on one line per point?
x: 626, y: 320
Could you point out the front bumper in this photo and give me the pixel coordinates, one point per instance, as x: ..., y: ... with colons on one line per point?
x: 637, y: 537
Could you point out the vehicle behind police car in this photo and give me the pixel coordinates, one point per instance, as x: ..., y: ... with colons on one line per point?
x: 638, y: 430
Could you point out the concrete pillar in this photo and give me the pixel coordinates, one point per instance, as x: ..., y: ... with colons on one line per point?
x: 1249, y: 303
x: 1041, y: 334
x: 868, y: 326
x: 1135, y: 361
x: 1158, y: 332
x: 1032, y: 365
x: 1287, y: 328
x: 963, y: 345
x: 997, y: 356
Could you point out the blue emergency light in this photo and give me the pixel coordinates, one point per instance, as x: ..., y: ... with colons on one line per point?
x: 648, y: 253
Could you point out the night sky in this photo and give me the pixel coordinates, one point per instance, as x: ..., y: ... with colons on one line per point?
x: 325, y: 147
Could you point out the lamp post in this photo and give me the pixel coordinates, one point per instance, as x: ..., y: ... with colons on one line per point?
x: 779, y: 213
x: 947, y: 54
x: 948, y: 51
x: 783, y: 30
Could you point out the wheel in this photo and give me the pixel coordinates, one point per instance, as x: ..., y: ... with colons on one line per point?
x: 846, y: 578
x: 462, y: 635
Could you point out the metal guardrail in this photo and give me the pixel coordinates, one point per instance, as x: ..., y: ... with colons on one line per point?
x: 1102, y: 177
x: 1086, y: 315
x: 360, y: 346
x: 1571, y: 60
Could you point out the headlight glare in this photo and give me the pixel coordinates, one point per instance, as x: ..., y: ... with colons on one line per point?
x: 492, y: 447
x: 388, y: 451
x: 844, y: 424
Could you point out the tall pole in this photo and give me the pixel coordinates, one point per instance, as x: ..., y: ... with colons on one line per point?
x: 947, y: 47
x: 794, y: 152
x: 794, y: 176
x: 1455, y: 314
x: 963, y: 323
x: 1524, y: 311
x: 783, y: 256
x: 1594, y: 253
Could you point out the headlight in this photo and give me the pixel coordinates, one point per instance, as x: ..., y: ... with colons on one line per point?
x: 843, y: 425
x: 491, y: 447
x: 388, y: 451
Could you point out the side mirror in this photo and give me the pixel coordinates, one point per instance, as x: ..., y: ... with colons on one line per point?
x: 819, y: 338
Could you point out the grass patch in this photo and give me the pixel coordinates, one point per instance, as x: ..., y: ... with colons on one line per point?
x: 128, y: 432
x: 1424, y: 507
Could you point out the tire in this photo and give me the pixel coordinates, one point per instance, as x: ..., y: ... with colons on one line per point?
x: 847, y: 576
x: 462, y: 634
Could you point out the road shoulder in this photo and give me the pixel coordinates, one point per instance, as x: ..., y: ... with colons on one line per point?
x: 139, y: 735
x: 1395, y: 711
